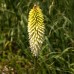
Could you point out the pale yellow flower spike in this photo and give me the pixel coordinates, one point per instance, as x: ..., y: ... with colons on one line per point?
x: 35, y: 29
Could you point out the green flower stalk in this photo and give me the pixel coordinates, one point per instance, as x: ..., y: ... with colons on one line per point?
x: 35, y: 29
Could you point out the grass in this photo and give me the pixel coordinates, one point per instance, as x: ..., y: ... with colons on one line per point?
x: 57, y: 52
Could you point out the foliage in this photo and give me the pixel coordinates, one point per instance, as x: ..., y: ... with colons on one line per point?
x: 57, y: 53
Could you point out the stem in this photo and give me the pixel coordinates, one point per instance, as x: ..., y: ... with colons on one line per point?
x: 35, y: 65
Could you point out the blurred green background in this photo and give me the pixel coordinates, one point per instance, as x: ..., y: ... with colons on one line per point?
x: 57, y: 53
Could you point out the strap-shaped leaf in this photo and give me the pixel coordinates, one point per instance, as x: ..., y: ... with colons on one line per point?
x: 35, y: 29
